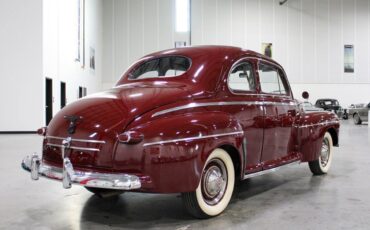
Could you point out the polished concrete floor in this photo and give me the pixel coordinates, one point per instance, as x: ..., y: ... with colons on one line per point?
x: 290, y: 198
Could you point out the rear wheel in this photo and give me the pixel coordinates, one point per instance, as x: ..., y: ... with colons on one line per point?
x: 322, y: 165
x: 102, y: 192
x: 215, y: 188
x: 357, y: 119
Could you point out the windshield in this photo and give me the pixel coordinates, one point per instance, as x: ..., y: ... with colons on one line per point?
x: 161, y: 67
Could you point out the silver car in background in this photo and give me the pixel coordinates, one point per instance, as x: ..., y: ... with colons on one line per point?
x: 359, y: 113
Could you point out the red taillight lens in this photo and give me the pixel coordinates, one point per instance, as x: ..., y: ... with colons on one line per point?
x: 41, y: 131
x: 130, y: 137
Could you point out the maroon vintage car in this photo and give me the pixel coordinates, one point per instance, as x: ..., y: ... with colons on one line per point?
x: 191, y: 121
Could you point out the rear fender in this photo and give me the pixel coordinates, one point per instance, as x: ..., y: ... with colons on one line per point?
x: 176, y: 147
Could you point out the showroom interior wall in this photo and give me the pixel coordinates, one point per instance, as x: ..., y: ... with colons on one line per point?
x: 60, y: 47
x: 308, y: 39
x: 133, y: 29
x: 21, y: 65
x: 39, y: 42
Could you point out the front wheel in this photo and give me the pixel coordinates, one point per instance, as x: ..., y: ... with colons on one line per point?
x: 321, y: 166
x: 215, y: 188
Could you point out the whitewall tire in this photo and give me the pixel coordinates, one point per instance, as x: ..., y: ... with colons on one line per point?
x: 322, y: 165
x: 215, y: 188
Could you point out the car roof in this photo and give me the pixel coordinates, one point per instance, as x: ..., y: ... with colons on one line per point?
x: 327, y: 99
x: 214, y: 51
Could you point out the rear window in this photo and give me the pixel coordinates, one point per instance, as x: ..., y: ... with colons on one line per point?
x: 160, y: 68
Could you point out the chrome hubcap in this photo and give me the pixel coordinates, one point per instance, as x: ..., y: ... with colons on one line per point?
x: 325, y: 153
x: 214, y: 181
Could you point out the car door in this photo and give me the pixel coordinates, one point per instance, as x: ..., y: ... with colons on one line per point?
x: 247, y: 109
x: 280, y: 109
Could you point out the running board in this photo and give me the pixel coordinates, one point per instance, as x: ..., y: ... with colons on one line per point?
x: 246, y: 176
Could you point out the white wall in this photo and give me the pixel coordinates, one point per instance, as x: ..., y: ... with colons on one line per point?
x: 60, y: 21
x: 21, y: 87
x: 134, y: 28
x: 307, y: 35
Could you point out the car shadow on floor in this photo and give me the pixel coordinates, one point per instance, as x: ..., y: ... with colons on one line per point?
x: 137, y: 210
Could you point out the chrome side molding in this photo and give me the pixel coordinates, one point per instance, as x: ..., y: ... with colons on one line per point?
x: 246, y: 176
x: 193, y: 138
x: 76, y: 140
x: 221, y: 103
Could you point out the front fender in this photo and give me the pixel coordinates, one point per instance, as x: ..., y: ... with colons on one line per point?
x: 176, y: 147
x: 312, y: 132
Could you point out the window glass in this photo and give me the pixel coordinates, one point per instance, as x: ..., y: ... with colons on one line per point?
x: 270, y: 80
x: 161, y: 67
x: 241, y: 78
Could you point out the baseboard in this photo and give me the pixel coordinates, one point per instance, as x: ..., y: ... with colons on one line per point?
x: 18, y: 132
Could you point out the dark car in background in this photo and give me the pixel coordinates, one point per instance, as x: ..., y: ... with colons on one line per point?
x: 332, y: 105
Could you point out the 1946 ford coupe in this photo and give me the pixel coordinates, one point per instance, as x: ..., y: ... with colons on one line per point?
x: 189, y: 120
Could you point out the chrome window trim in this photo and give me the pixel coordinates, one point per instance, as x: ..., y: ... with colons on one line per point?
x: 78, y: 140
x: 193, y: 138
x: 196, y: 104
x: 243, y: 92
x: 74, y: 147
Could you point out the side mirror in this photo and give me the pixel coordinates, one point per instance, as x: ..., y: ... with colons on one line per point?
x: 305, y: 95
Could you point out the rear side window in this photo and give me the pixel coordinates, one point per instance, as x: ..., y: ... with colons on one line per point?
x: 271, y: 80
x: 161, y: 67
x: 241, y: 78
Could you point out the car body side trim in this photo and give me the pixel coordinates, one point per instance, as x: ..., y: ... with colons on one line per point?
x: 77, y: 140
x: 193, y: 138
x: 320, y: 123
x: 74, y: 147
x: 225, y: 103
x: 246, y: 176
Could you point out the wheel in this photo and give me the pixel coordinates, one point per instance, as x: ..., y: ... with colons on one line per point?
x: 321, y: 166
x: 345, y: 116
x: 215, y: 188
x: 103, y: 193
x: 357, y: 119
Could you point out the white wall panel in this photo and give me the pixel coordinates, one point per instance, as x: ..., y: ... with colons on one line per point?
x: 307, y: 47
x: 238, y: 24
x: 139, y: 27
x: 336, y: 45
x: 253, y: 33
x: 224, y: 21
x: 321, y: 60
x: 308, y: 39
x: 362, y: 55
x: 21, y: 87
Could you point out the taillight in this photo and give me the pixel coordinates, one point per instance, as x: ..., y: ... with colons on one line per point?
x: 130, y: 137
x: 41, y: 131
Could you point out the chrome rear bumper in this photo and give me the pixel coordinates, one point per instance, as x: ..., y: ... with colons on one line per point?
x: 69, y: 176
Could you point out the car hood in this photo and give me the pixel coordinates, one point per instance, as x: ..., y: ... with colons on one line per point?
x: 103, y: 116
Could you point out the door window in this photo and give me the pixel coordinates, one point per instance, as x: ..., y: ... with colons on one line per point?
x: 241, y: 78
x: 271, y: 80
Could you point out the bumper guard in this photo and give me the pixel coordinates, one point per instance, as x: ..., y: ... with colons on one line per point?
x: 69, y: 176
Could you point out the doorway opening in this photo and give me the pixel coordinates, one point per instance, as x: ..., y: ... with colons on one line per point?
x: 48, y: 100
x: 63, y: 98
